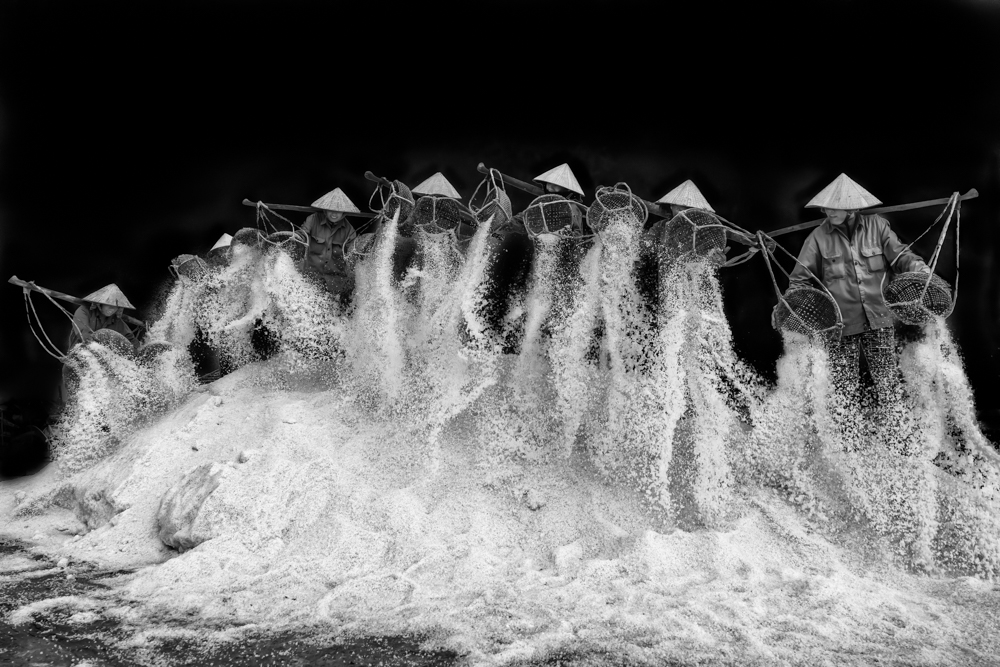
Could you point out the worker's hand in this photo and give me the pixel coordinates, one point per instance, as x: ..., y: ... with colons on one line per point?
x: 717, y: 257
x: 774, y: 318
x: 770, y: 243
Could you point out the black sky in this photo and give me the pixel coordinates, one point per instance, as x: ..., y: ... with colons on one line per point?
x: 130, y: 132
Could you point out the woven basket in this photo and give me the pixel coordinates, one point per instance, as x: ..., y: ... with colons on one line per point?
x: 549, y: 214
x: 436, y: 214
x: 909, y: 302
x: 400, y: 198
x: 190, y: 266
x: 810, y: 312
x: 115, y: 342
x: 290, y: 242
x: 149, y: 354
x: 219, y: 256
x: 616, y: 203
x: 497, y: 204
x: 248, y: 236
x: 692, y: 234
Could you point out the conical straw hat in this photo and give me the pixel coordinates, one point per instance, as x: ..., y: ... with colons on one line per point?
x: 686, y: 194
x: 109, y: 295
x: 843, y: 194
x: 224, y: 241
x: 335, y: 200
x: 436, y: 185
x: 562, y: 176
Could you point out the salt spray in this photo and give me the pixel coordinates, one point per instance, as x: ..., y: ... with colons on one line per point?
x: 624, y: 489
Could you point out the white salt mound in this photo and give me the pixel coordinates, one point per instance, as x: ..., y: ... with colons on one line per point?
x: 624, y: 486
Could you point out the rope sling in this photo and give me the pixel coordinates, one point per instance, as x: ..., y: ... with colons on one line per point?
x: 189, y: 266
x: 434, y: 214
x: 72, y: 364
x: 694, y: 234
x: 803, y: 310
x: 51, y: 349
x: 555, y: 215
x: 495, y: 202
x: 398, y: 198
x: 915, y: 297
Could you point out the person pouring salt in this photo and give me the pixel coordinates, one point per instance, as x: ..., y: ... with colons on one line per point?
x: 562, y: 181
x: 102, y: 309
x: 329, y: 235
x: 854, y: 254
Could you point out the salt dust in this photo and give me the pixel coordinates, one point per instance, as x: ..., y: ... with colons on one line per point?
x: 623, y: 490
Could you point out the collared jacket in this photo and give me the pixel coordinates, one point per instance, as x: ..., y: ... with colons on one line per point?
x: 854, y: 269
x: 327, y: 243
x: 89, y: 318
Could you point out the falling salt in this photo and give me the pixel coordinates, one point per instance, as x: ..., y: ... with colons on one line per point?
x: 623, y: 485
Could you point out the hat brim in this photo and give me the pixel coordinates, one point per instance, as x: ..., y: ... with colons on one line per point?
x: 356, y: 214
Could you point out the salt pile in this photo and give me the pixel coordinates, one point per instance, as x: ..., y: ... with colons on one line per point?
x: 623, y: 489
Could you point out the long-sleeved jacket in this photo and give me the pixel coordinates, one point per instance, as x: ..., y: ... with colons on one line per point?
x: 854, y: 268
x: 327, y: 243
x: 90, y: 319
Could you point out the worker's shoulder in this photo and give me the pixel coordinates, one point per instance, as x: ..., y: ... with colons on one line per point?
x: 820, y: 232
x: 874, y: 219
x: 311, y: 221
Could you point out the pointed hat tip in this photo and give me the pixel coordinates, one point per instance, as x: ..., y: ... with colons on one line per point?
x: 844, y: 194
x: 686, y: 194
x: 437, y: 184
x: 562, y: 176
x: 336, y: 201
x: 109, y: 295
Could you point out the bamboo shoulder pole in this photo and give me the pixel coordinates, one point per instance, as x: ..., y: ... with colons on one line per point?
x: 517, y: 183
x: 14, y: 280
x: 971, y: 194
x: 301, y: 209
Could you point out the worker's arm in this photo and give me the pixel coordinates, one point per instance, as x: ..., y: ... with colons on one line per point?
x: 81, y: 318
x: 894, y: 248
x: 809, y: 260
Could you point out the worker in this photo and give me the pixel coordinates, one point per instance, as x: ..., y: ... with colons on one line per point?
x: 854, y: 254
x: 102, y: 309
x: 330, y: 236
x: 561, y: 181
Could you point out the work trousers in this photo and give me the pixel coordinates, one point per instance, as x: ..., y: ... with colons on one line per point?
x: 880, y: 405
x: 879, y: 349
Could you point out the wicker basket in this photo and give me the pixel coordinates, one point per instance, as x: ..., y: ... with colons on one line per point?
x: 291, y: 242
x: 436, y: 214
x: 809, y: 312
x: 115, y: 342
x: 616, y: 203
x: 912, y: 304
x: 550, y: 214
x: 248, y: 236
x: 692, y: 234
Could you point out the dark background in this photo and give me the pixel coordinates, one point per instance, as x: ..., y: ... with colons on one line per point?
x: 130, y: 132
